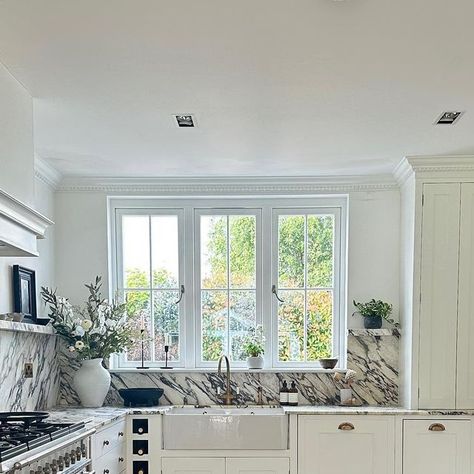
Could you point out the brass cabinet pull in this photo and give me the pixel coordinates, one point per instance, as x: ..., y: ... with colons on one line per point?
x: 437, y: 427
x: 346, y: 427
x: 106, y: 442
x: 121, y: 459
x: 120, y: 433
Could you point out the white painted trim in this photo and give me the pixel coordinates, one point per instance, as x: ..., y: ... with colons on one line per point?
x: 435, y: 167
x: 229, y: 185
x: 47, y: 173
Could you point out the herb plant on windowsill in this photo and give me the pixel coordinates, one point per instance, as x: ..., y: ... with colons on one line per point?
x: 374, y: 312
x: 254, y: 347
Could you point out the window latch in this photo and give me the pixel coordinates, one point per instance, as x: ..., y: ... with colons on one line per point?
x: 274, y: 291
x: 181, y: 293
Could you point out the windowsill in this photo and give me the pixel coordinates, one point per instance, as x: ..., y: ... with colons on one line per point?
x: 206, y: 370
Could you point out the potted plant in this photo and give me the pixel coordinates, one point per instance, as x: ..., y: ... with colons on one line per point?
x: 374, y: 312
x: 254, y: 347
x: 92, y: 332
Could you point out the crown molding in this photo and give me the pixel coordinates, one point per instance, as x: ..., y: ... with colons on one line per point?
x: 47, y: 173
x: 425, y: 167
x: 229, y: 186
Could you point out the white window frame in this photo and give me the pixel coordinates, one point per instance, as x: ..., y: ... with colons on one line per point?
x: 198, y: 212
x: 120, y: 360
x: 266, y: 303
x: 338, y: 301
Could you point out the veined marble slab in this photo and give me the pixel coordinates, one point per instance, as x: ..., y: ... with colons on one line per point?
x: 375, y: 360
x: 17, y: 392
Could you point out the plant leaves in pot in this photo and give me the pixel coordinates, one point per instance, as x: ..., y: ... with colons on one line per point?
x: 374, y: 312
x: 254, y: 347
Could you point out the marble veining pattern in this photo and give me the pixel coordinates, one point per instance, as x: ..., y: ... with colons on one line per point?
x: 374, y: 357
x: 19, y: 393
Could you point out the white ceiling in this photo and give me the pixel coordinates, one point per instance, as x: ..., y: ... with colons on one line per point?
x: 278, y: 87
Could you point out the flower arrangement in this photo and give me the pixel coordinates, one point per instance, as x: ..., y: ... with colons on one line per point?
x: 97, y: 329
x: 254, y: 342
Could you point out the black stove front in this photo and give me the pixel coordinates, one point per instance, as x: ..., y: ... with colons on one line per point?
x: 22, y: 432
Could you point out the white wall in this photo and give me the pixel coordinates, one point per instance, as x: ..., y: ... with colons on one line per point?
x: 16, y: 139
x: 44, y: 264
x: 374, y: 239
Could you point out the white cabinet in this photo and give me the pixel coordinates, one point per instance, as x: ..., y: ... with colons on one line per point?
x: 193, y: 466
x: 446, y: 330
x: 439, y: 295
x: 257, y: 466
x: 436, y: 447
x: 340, y: 444
x: 465, y: 360
x: 225, y: 465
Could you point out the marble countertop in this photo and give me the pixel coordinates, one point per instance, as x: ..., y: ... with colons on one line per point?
x: 98, y: 417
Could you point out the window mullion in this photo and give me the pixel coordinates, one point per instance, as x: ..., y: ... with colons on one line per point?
x: 305, y: 283
x: 228, y: 288
x: 152, y: 309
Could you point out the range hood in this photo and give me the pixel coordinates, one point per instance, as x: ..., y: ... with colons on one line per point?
x: 20, y: 227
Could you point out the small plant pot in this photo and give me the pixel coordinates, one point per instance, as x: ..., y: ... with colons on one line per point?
x: 255, y: 362
x: 373, y: 322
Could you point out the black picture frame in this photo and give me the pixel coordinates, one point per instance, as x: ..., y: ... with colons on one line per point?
x: 24, y: 292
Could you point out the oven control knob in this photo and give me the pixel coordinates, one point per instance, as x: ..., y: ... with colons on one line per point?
x: 61, y: 463
x: 140, y: 430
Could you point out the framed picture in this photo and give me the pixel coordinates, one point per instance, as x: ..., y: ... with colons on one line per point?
x: 24, y: 292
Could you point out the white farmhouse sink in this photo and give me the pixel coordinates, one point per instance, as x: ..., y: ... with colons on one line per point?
x: 225, y: 428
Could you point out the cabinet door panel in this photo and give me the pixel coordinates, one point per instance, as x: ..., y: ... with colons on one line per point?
x: 193, y: 465
x: 465, y: 359
x: 439, y: 295
x: 436, y: 452
x: 257, y: 466
x: 326, y: 445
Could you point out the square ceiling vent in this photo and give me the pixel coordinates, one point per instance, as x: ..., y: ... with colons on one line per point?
x: 185, y: 121
x: 448, y: 118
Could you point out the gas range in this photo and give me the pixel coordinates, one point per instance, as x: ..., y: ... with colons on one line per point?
x: 31, y: 444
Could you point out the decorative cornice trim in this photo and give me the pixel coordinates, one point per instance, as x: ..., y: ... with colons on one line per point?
x: 230, y: 186
x: 47, y: 173
x: 421, y: 166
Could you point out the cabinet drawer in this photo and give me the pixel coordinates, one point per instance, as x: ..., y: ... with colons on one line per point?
x: 335, y: 444
x: 113, y: 462
x: 108, y: 438
x: 436, y: 446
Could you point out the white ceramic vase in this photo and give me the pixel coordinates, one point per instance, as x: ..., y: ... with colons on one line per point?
x: 255, y: 362
x: 92, y: 382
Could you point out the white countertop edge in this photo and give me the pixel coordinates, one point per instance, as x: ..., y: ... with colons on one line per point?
x: 206, y: 370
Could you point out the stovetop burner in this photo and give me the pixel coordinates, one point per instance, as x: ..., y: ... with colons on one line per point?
x: 24, y: 431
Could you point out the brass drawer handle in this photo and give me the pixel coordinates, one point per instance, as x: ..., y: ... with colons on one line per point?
x: 437, y: 427
x: 346, y: 427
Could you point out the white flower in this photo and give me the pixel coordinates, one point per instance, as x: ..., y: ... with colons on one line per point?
x: 86, y: 324
x: 78, y: 331
x: 71, y: 348
x: 79, y: 345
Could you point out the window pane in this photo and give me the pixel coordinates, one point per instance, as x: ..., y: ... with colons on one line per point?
x: 242, y: 231
x: 213, y: 251
x: 138, y: 312
x: 214, y: 324
x: 320, y: 251
x: 319, y: 325
x: 136, y: 251
x: 291, y: 239
x: 291, y: 326
x: 242, y: 319
x: 165, y: 260
x: 166, y: 316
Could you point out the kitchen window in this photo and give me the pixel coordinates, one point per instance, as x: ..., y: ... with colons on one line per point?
x: 197, y: 275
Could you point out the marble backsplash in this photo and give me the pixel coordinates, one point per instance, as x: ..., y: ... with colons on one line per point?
x: 373, y: 354
x: 19, y: 344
